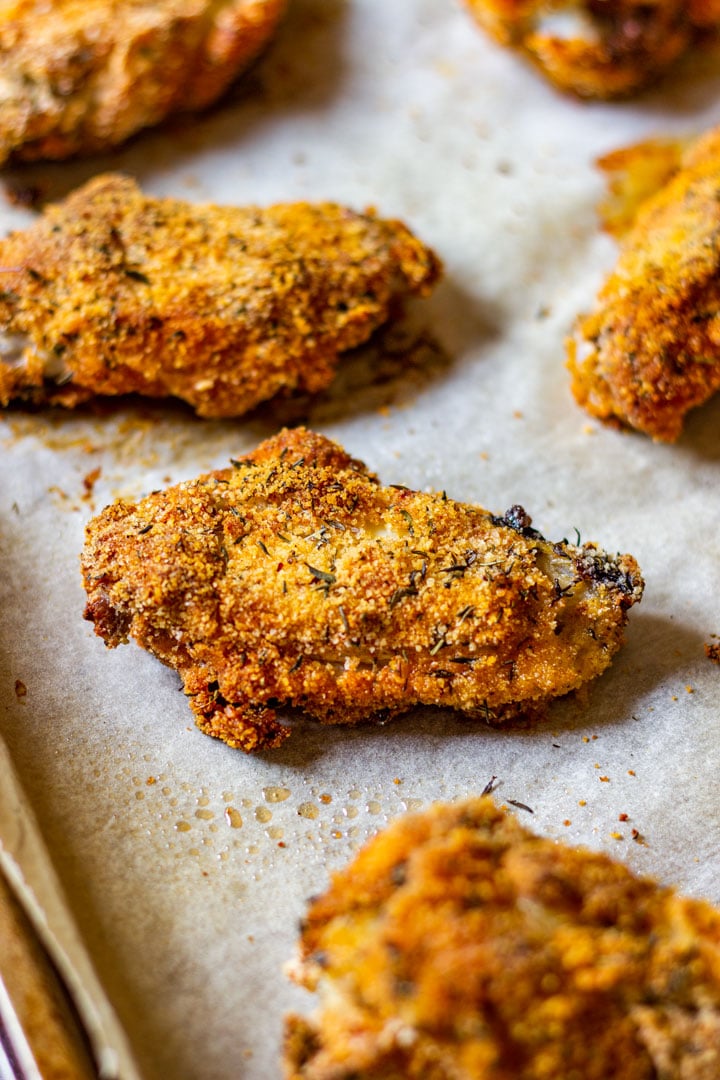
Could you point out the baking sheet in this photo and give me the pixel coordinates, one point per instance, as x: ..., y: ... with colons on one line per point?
x: 187, y: 864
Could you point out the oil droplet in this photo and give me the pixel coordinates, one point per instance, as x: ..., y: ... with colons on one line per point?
x: 205, y: 815
x: 354, y: 794
x: 373, y: 807
x: 325, y: 798
x: 276, y: 794
x: 166, y: 790
x: 183, y: 826
x: 262, y: 814
x: 227, y: 796
x: 202, y: 800
x: 213, y: 828
x: 247, y: 803
x: 308, y: 810
x: 194, y: 851
x: 136, y: 781
x: 223, y: 856
x: 275, y: 832
x: 252, y: 849
x: 351, y: 811
x: 233, y: 818
x: 139, y: 795
x: 413, y: 804
x: 173, y: 802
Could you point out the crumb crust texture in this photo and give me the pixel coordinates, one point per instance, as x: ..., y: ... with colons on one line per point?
x: 115, y: 292
x: 650, y: 351
x: 294, y: 579
x: 600, y: 49
x: 459, y: 946
x: 82, y: 76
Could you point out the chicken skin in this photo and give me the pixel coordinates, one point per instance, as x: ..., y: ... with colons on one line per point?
x: 650, y: 351
x: 460, y: 946
x: 114, y: 292
x: 80, y: 76
x: 599, y: 48
x: 295, y: 579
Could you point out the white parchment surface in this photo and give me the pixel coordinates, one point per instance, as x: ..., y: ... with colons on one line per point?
x: 186, y: 864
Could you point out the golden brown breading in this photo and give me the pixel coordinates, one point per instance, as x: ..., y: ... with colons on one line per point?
x: 650, y: 351
x: 295, y: 579
x: 114, y: 292
x: 599, y: 48
x: 459, y: 946
x: 79, y: 76
x: 633, y: 174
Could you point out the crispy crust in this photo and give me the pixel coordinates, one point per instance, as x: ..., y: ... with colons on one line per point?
x: 650, y: 351
x: 114, y: 292
x: 623, y: 46
x: 295, y: 579
x: 459, y: 946
x: 79, y: 76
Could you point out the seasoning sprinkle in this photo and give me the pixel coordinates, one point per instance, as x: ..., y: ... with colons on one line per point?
x: 410, y: 522
x: 490, y: 786
x: 321, y: 575
x: 401, y: 594
x: 136, y: 275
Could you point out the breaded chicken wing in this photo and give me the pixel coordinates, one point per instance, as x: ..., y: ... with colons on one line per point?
x: 650, y: 351
x: 295, y: 579
x: 114, y: 292
x: 459, y: 946
x: 599, y: 48
x: 79, y: 76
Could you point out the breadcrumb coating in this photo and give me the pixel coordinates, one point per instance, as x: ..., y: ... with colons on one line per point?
x: 114, y: 292
x: 295, y: 579
x: 80, y: 76
x: 459, y: 946
x: 650, y: 351
x: 600, y: 48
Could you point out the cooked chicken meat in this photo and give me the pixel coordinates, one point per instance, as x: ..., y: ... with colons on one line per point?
x: 114, y: 292
x: 79, y: 76
x: 599, y: 48
x: 650, y: 351
x: 295, y: 579
x: 459, y: 946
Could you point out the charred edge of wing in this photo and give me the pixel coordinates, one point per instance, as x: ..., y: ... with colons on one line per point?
x: 518, y: 519
x: 599, y: 568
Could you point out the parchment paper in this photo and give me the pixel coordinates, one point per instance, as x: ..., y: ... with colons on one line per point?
x: 188, y: 914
